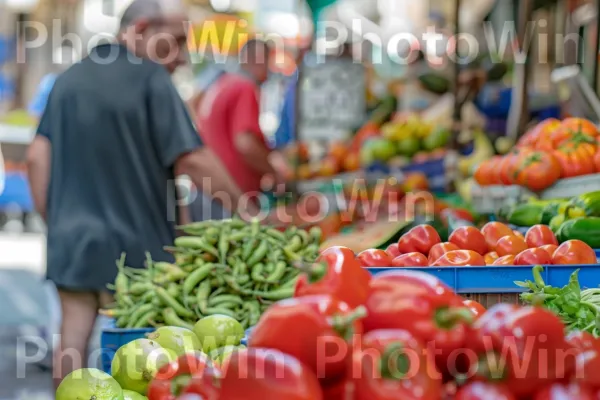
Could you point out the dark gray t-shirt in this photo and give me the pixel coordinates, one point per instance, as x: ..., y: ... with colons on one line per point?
x: 116, y: 125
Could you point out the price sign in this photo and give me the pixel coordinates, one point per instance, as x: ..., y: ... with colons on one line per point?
x: 333, y: 99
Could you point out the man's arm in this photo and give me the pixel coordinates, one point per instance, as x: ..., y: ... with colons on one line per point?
x: 254, y: 152
x: 38, y: 169
x: 207, y: 174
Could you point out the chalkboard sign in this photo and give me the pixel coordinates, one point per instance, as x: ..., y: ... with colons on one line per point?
x: 333, y: 99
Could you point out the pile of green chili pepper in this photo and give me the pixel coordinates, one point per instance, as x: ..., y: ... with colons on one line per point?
x: 228, y: 267
x: 579, y: 309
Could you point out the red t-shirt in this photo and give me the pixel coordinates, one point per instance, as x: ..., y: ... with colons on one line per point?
x: 228, y: 108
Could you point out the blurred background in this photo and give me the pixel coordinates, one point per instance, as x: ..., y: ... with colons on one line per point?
x: 360, y: 86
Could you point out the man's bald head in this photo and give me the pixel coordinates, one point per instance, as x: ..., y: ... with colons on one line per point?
x: 156, y: 29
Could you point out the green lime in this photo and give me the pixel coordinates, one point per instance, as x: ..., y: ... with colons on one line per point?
x: 129, y: 395
x: 217, y: 331
x: 179, y: 340
x: 437, y: 139
x: 89, y: 383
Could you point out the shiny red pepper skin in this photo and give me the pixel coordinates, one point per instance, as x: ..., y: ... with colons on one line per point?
x: 342, y: 277
x: 382, y: 353
x: 392, y: 250
x: 587, y: 363
x: 484, y: 391
x: 203, y: 378
x: 261, y: 374
x: 421, y: 304
x: 343, y: 390
x: 305, y: 328
x: 419, y: 239
x: 528, y: 343
x: 559, y: 391
x: 374, y: 258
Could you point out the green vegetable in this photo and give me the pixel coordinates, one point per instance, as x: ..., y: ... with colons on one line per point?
x: 526, y: 214
x: 585, y: 229
x: 589, y: 203
x: 173, y: 303
x: 172, y: 319
x: 549, y: 212
x: 196, y: 277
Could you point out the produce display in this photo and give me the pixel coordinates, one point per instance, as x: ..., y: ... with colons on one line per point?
x: 227, y: 267
x: 407, y: 335
x: 550, y: 151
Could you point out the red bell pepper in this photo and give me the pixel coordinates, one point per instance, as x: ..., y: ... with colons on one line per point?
x: 392, y: 250
x: 342, y: 390
x: 587, y: 362
x: 260, y: 374
x: 419, y: 239
x: 421, y: 304
x: 317, y: 330
x: 559, y: 391
x: 338, y: 273
x: 393, y: 364
x: 191, y: 373
x: 374, y: 258
x: 522, y: 347
x: 484, y: 391
x: 476, y: 308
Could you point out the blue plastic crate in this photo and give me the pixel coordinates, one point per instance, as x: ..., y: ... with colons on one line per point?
x: 492, y: 280
x: 112, y: 338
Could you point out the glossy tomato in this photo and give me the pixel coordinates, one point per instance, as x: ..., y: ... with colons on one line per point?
x: 574, y: 252
x: 537, y: 171
x: 484, y: 174
x: 533, y: 257
x: 587, y: 362
x: 460, y: 258
x: 505, y: 260
x: 518, y: 234
x: 469, y: 238
x: 575, y: 159
x: 549, y: 248
x: 506, y: 168
x: 476, y: 308
x: 580, y: 126
x: 439, y: 250
x: 374, y: 258
x: 493, y: 231
x: 419, y: 239
x: 540, y: 235
x: 392, y: 250
x: 410, y: 260
x: 491, y: 257
x: 510, y: 244
x: 541, y: 131
x: 597, y: 161
x: 484, y: 391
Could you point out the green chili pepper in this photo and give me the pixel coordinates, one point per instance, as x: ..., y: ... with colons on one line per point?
x: 196, y: 277
x: 171, y: 318
x: 278, y: 272
x: 195, y: 243
x: 223, y: 245
x: 202, y: 295
x: 140, y: 288
x: 295, y: 244
x: 174, y: 290
x: 171, y: 272
x: 290, y: 283
x: 291, y: 231
x: 148, y: 296
x: 237, y: 236
x: 135, y: 316
x: 249, y: 246
x: 145, y: 319
x: 173, y: 303
x: 279, y: 294
x: 257, y: 273
x: 121, y: 281
x: 242, y: 279
x: 225, y: 298
x: 316, y: 234
x: 304, y: 236
x: 259, y: 254
x: 275, y: 234
x: 122, y: 321
x: 311, y: 250
x: 220, y: 311
x: 253, y: 312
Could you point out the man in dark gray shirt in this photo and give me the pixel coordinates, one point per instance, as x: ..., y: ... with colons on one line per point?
x: 114, y: 135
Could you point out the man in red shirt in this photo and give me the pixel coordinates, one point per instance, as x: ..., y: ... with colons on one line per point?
x: 228, y: 119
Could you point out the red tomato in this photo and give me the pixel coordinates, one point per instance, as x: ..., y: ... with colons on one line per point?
x: 410, y: 260
x: 510, y: 245
x: 540, y: 235
x: 491, y: 257
x: 549, y: 248
x: 476, y: 308
x: 419, y: 239
x: 533, y: 257
x: 484, y: 391
x: 587, y: 364
x: 493, y: 231
x: 439, y: 250
x: 460, y: 258
x: 374, y: 258
x: 505, y: 260
x: 574, y: 252
x: 469, y: 238
x: 392, y: 250
x: 561, y: 391
x: 537, y: 171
